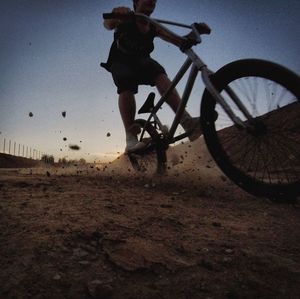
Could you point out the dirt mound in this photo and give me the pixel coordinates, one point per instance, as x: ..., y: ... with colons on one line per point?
x: 9, y: 161
x: 188, y: 163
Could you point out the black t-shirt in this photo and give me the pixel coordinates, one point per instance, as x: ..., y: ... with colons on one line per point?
x: 130, y: 44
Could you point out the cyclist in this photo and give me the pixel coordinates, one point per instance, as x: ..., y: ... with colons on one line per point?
x: 130, y: 64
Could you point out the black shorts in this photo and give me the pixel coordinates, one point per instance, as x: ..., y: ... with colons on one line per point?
x: 129, y: 75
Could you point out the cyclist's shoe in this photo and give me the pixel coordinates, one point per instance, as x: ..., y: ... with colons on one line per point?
x: 132, y: 143
x: 193, y: 124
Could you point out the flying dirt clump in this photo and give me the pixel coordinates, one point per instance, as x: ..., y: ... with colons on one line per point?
x: 108, y: 134
x: 30, y: 114
x: 64, y: 113
x: 74, y: 147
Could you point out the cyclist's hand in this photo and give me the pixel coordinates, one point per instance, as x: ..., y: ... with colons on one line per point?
x: 122, y: 10
x: 203, y: 28
x: 113, y: 23
x: 190, y: 39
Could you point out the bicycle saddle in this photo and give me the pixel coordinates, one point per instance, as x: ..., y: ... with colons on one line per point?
x: 148, y: 105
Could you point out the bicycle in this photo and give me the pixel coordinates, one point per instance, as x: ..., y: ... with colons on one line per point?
x: 250, y: 117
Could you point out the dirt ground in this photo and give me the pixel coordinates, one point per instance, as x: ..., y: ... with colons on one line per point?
x: 83, y: 234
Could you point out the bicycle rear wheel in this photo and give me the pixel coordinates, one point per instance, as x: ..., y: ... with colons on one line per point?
x: 152, y: 159
x: 264, y: 161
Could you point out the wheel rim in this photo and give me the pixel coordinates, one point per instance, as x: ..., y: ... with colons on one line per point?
x: 152, y: 159
x: 270, y: 152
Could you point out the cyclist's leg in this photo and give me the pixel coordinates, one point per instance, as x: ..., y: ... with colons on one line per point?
x: 189, y: 123
x: 162, y: 83
x: 154, y: 74
x: 125, y: 79
x: 127, y: 108
x: 151, y: 72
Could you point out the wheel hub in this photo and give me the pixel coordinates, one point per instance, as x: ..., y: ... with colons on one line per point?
x: 257, y: 129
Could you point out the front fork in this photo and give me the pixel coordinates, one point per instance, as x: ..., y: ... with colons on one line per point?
x: 220, y: 100
x: 206, y: 74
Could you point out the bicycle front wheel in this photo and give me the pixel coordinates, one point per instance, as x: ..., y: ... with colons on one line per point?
x: 152, y: 159
x: 264, y: 161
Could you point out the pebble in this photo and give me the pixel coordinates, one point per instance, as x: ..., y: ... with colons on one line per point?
x: 84, y: 263
x: 175, y: 193
x: 207, y: 264
x: 229, y: 251
x: 166, y: 206
x: 227, y: 260
x: 57, y: 277
x: 78, y: 252
x: 100, y: 289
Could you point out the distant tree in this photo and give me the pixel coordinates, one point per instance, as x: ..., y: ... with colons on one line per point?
x: 48, y: 159
x: 82, y: 161
x: 63, y: 161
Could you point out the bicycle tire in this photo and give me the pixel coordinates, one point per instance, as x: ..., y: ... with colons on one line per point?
x: 265, y: 164
x: 152, y: 159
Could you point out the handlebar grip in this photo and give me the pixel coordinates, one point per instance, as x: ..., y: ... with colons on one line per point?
x: 107, y: 16
x: 110, y: 15
x: 202, y: 28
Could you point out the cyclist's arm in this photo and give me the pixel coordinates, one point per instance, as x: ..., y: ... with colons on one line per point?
x: 177, y: 41
x: 111, y: 24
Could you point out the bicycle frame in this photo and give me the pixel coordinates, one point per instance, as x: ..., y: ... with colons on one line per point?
x: 194, y: 62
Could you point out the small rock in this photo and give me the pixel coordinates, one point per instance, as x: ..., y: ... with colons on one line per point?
x: 100, y: 289
x: 207, y: 264
x: 57, y: 277
x: 217, y: 224
x: 229, y: 251
x: 166, y: 206
x: 84, y: 263
x: 227, y: 260
x: 78, y: 252
x: 94, y: 243
x: 89, y: 248
x: 232, y: 294
x: 223, y: 178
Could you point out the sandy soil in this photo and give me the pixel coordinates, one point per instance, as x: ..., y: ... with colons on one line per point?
x: 109, y: 233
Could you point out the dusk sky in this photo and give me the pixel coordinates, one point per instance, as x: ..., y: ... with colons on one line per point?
x: 51, y: 50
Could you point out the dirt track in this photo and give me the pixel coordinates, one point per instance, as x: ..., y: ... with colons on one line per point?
x: 87, y: 235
